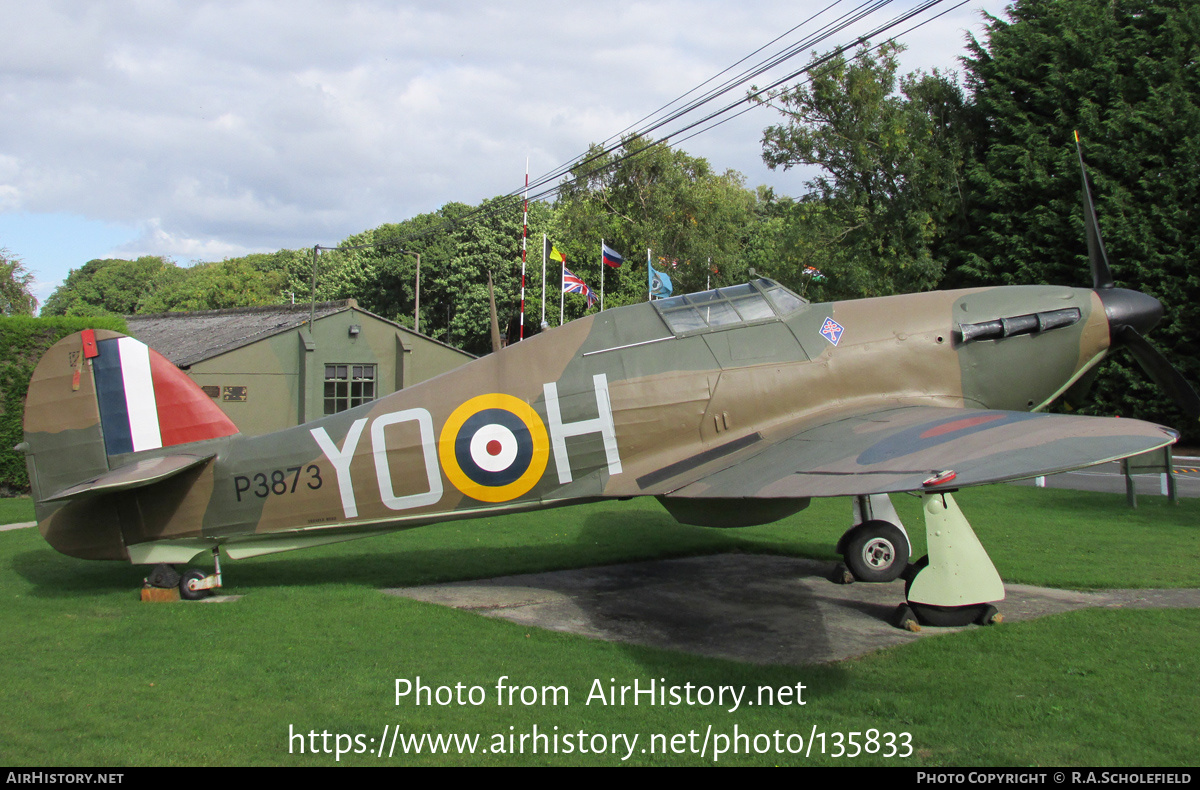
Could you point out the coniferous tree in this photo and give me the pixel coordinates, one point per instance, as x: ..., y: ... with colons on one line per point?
x: 1124, y: 75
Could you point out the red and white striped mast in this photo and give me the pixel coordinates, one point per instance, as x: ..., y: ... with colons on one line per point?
x: 524, y: 238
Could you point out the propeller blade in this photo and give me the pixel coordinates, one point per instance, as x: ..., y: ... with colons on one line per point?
x: 1101, y: 274
x: 1162, y: 372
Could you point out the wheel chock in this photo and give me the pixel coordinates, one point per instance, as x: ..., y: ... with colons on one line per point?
x: 841, y: 574
x: 905, y: 618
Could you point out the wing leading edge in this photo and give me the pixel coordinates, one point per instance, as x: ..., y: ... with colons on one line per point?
x: 900, y: 448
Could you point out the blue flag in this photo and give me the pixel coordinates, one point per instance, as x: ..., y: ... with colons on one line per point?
x: 660, y: 283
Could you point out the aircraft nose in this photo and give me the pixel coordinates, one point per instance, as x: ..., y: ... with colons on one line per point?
x: 1126, y: 308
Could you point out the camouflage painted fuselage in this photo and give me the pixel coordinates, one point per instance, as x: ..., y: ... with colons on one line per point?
x: 616, y: 404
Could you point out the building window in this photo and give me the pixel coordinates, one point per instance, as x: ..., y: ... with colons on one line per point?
x: 347, y: 386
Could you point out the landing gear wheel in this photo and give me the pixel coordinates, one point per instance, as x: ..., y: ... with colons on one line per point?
x: 186, y: 591
x: 989, y: 616
x: 163, y: 576
x: 950, y: 616
x: 876, y: 551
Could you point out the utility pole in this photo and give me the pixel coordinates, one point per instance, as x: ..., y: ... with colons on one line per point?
x: 417, y: 309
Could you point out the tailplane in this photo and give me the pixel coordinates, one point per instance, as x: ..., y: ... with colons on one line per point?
x: 100, y: 410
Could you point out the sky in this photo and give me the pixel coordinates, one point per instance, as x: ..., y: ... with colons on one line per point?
x: 208, y: 130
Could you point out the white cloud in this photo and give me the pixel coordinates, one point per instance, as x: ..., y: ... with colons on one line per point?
x: 155, y: 240
x: 255, y: 125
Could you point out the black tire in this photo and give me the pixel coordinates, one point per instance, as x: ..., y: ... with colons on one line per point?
x: 990, y: 615
x: 876, y: 551
x: 163, y: 577
x: 947, y: 616
x: 185, y: 590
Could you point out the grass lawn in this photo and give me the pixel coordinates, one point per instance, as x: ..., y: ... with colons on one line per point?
x: 95, y: 677
x: 16, y: 509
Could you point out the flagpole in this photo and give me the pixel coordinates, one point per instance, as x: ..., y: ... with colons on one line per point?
x: 602, y: 268
x: 649, y: 277
x: 562, y: 284
x: 524, y: 237
x: 543, y: 324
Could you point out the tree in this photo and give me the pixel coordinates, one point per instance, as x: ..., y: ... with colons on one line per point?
x: 786, y: 237
x: 890, y: 156
x: 152, y: 284
x: 459, y: 245
x: 1124, y: 75
x: 391, y: 289
x: 215, y: 286
x: 294, y: 265
x: 649, y: 196
x: 109, y: 286
x: 487, y: 239
x: 16, y: 297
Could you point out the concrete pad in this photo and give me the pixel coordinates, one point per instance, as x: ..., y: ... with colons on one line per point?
x: 218, y: 599
x: 757, y: 609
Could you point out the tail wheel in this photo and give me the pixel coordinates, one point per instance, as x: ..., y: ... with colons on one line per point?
x: 876, y: 551
x: 187, y: 589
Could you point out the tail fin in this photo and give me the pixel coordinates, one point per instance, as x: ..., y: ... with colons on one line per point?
x: 146, y: 402
x: 97, y: 399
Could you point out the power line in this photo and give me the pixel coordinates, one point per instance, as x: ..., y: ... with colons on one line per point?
x: 511, y: 200
x: 851, y: 17
x: 857, y: 15
x: 612, y: 143
x: 878, y: 46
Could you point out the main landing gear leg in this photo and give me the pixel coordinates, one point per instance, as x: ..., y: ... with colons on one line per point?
x: 956, y: 584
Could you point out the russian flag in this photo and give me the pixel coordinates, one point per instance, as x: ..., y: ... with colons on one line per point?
x: 612, y: 257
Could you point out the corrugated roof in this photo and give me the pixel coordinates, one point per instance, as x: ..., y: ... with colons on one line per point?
x: 188, y: 338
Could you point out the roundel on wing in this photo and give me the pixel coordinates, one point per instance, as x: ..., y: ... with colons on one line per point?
x: 494, y: 448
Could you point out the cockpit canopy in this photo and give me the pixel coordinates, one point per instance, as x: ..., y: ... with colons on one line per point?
x: 749, y: 303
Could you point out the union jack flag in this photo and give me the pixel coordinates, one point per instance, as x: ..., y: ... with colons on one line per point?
x: 575, y: 285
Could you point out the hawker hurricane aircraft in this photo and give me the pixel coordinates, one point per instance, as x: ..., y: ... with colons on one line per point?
x: 733, y: 407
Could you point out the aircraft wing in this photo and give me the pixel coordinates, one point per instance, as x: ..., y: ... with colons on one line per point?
x: 900, y: 448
